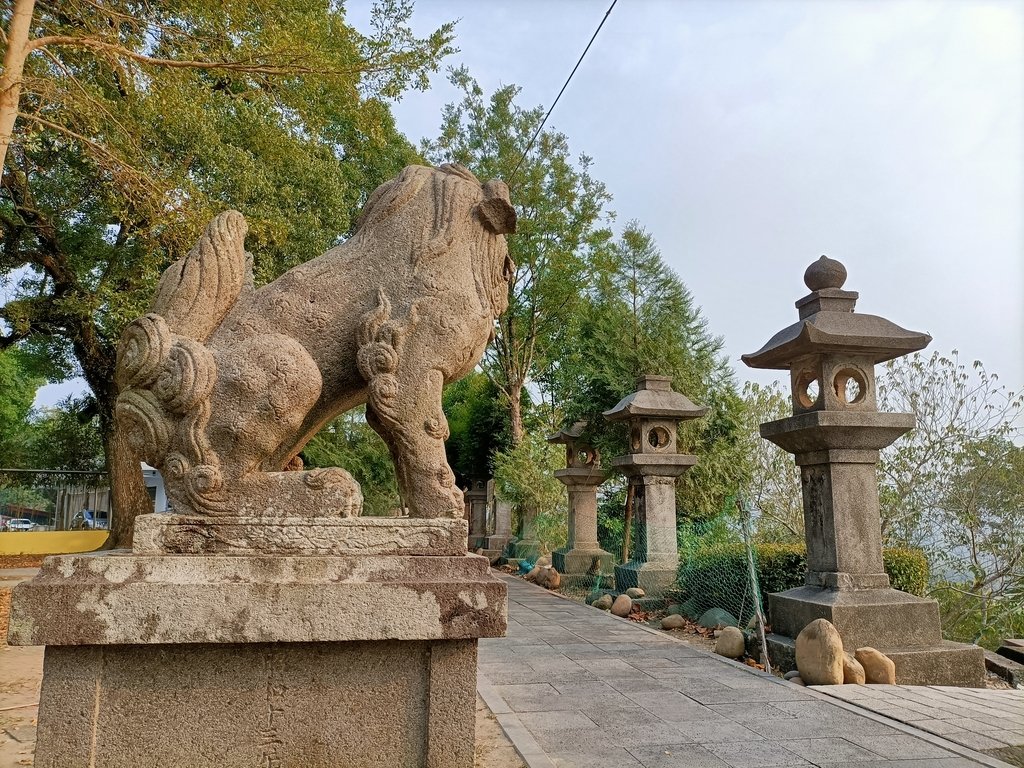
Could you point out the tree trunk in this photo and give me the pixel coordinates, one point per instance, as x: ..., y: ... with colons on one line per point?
x: 129, y: 497
x: 515, y: 414
x: 627, y: 526
x: 14, y: 65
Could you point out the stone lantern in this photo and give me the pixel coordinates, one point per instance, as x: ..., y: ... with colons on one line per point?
x: 582, y: 476
x: 653, y: 414
x: 475, y: 497
x: 836, y: 433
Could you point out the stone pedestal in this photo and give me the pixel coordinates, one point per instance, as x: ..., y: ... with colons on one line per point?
x: 502, y: 526
x: 582, y: 553
x: 476, y: 500
x: 835, y: 434
x: 654, y: 565
x: 318, y: 660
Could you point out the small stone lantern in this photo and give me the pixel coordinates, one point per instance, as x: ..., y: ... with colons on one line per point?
x: 836, y: 433
x: 653, y: 414
x: 582, y: 476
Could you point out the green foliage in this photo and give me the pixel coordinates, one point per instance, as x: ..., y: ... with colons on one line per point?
x: 561, y: 211
x: 972, y: 617
x: 524, y: 476
x: 717, y: 576
x: 66, y: 436
x: 140, y: 121
x: 26, y: 498
x: 773, y: 483
x: 640, y: 318
x: 17, y: 392
x: 478, y: 424
x: 350, y: 443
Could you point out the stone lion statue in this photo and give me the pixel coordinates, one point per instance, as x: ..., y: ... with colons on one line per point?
x: 222, y: 384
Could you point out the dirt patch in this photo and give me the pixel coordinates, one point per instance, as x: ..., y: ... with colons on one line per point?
x: 493, y: 749
x: 5, y: 614
x: 21, y: 561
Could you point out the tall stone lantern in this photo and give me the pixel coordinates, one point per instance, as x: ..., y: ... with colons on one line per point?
x: 582, y: 476
x: 653, y: 414
x: 836, y: 433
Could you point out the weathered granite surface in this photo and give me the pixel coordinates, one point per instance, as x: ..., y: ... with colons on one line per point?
x: 274, y: 705
x: 120, y: 599
x: 222, y: 384
x: 205, y: 535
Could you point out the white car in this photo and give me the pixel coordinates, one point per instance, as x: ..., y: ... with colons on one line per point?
x: 20, y: 524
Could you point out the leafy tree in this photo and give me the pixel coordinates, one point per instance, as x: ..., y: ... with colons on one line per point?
x: 350, y: 442
x: 981, y: 524
x: 640, y: 318
x: 138, y: 122
x: 66, y: 436
x: 561, y: 211
x: 17, y: 392
x: 773, y: 483
x: 958, y: 408
x: 524, y: 476
x: 478, y: 424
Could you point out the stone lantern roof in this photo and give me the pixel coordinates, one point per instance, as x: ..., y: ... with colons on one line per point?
x: 568, y: 435
x: 828, y: 325
x: 655, y: 398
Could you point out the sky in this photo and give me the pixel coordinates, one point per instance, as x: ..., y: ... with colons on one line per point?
x: 749, y: 138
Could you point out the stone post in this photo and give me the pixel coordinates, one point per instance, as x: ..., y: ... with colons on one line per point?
x: 653, y: 414
x: 582, y: 476
x: 476, y: 501
x: 836, y: 433
x: 502, y: 526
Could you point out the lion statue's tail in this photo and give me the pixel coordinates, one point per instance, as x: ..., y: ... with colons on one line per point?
x: 166, y: 374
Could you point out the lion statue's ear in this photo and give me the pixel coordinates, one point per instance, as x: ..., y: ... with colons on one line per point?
x: 496, y: 211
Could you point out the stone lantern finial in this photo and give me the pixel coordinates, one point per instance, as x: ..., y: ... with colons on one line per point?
x: 836, y: 433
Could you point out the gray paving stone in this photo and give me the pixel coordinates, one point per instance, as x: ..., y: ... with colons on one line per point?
x: 756, y: 754
x: 582, y: 688
x: 828, y: 751
x: 676, y: 756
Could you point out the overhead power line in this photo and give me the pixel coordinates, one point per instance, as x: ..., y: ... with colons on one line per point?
x: 566, y: 85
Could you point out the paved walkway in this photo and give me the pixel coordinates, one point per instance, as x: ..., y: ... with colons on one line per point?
x: 575, y: 687
x: 974, y: 717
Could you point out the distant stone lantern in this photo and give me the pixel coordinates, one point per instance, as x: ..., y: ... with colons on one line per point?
x: 836, y: 433
x: 582, y: 476
x: 653, y: 414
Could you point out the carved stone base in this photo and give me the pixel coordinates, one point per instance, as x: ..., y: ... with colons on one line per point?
x: 653, y: 578
x: 218, y: 662
x: 582, y: 560
x: 326, y: 536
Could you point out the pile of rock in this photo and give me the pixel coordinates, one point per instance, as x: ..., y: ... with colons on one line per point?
x: 544, y: 575
x: 821, y: 660
x: 620, y: 604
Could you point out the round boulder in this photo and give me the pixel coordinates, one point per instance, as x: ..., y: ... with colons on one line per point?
x: 853, y: 672
x: 731, y: 643
x: 604, y: 602
x: 819, y: 654
x: 622, y: 606
x: 879, y: 669
x: 673, y: 621
x: 554, y: 579
x: 715, y: 618
x: 532, y: 575
x: 635, y: 592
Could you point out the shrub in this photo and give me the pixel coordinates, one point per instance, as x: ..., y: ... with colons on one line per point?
x: 716, y: 577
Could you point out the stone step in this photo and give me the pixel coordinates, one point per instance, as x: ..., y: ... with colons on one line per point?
x: 1011, y: 671
x: 1012, y: 651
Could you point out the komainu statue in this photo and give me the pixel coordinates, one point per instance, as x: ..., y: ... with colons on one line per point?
x: 222, y: 384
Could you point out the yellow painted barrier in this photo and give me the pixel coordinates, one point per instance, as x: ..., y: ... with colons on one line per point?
x: 50, y: 542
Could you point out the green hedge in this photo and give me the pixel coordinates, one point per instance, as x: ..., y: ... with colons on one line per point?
x: 716, y: 577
